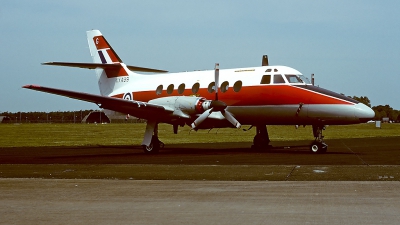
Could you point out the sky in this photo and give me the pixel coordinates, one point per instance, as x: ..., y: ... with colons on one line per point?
x: 352, y: 47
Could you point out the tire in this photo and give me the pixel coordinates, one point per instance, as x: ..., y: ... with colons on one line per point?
x: 318, y: 147
x: 260, y: 142
x: 153, y: 147
x: 315, y: 148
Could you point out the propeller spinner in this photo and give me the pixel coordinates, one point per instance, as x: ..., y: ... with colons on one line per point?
x: 216, y: 106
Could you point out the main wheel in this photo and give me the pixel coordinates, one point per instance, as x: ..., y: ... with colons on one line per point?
x: 153, y: 147
x: 260, y: 142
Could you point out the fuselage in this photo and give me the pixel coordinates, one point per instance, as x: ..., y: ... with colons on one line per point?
x: 258, y: 95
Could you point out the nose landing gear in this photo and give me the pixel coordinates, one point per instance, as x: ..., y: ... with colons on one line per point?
x: 318, y: 146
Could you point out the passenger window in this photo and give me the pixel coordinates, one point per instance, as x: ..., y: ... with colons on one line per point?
x: 159, y: 89
x: 195, y: 88
x: 181, y: 88
x: 266, y: 79
x: 170, y: 89
x: 211, y: 87
x: 224, y: 86
x: 278, y: 79
x: 237, y: 86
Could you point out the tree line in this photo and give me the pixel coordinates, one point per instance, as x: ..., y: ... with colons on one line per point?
x: 381, y: 111
x: 46, y: 117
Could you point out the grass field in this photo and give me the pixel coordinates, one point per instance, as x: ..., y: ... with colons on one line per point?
x: 33, y: 135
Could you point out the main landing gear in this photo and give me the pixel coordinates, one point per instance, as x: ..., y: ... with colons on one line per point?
x: 318, y: 145
x: 261, y: 139
x: 154, y: 146
x: 151, y: 144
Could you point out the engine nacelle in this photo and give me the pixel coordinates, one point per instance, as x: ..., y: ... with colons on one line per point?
x: 186, y: 104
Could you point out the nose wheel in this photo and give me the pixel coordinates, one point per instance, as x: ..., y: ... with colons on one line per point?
x: 318, y: 146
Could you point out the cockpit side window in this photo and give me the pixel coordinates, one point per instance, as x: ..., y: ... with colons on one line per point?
x: 278, y: 79
x: 266, y: 79
x: 293, y: 78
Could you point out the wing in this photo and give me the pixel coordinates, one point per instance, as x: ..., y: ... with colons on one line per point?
x: 135, y: 108
x: 103, y: 66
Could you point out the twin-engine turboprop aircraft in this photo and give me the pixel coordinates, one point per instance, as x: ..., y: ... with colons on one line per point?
x: 256, y: 96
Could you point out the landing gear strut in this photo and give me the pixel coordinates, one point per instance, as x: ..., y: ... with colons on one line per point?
x: 151, y: 144
x: 261, y: 139
x: 318, y: 145
x: 154, y: 146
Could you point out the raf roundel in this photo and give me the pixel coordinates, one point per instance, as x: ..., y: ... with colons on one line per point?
x: 128, y: 96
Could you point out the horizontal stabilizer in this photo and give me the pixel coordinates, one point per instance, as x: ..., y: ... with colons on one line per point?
x: 103, y: 66
x: 135, y: 108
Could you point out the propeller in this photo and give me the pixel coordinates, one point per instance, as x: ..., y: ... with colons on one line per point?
x: 216, y: 106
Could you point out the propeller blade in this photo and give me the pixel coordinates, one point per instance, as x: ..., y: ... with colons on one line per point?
x: 201, y: 118
x: 231, y: 119
x: 216, y: 79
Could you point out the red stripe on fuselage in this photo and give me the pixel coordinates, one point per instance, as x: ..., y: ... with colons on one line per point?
x: 253, y: 95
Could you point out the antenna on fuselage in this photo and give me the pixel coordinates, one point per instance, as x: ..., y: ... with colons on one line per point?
x: 312, y: 79
x: 265, y: 60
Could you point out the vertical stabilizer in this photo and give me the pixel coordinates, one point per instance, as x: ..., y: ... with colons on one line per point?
x: 100, y: 49
x: 109, y: 78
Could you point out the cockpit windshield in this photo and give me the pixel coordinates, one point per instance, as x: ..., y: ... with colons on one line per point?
x: 293, y: 79
x: 304, y: 79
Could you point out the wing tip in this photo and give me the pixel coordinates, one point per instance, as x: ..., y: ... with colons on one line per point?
x: 31, y: 86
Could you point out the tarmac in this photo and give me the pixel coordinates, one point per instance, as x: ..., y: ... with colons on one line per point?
x: 66, y: 201
x: 356, y: 182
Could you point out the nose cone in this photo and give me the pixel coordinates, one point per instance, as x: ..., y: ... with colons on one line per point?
x: 363, y: 112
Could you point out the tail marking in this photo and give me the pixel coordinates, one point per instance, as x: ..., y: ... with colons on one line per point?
x: 104, y: 49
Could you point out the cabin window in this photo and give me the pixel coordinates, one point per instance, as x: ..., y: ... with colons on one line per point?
x: 293, y: 78
x: 195, y: 88
x: 266, y: 79
x: 170, y: 89
x: 211, y: 87
x: 181, y: 88
x: 159, y: 89
x: 268, y: 70
x: 224, y: 86
x: 278, y: 79
x: 237, y: 86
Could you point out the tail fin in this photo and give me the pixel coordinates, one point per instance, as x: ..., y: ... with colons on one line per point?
x: 113, y: 70
x: 102, y: 52
x: 100, y: 49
